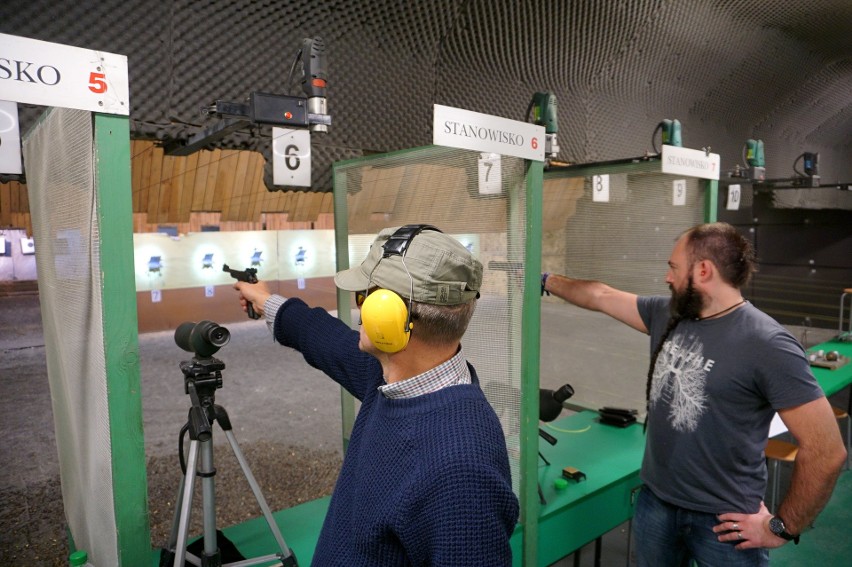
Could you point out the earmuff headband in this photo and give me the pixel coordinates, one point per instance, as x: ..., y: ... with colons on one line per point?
x: 397, y: 244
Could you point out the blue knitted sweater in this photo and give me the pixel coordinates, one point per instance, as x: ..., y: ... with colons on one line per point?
x: 425, y: 480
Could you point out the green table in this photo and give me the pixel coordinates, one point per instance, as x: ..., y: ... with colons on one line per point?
x: 832, y: 381
x: 610, y: 458
x: 300, y: 526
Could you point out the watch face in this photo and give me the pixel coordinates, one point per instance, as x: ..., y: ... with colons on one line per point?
x: 776, y: 525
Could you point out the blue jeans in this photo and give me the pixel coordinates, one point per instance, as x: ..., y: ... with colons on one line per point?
x: 670, y: 536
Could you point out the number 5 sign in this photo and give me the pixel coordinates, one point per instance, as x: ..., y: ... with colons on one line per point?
x: 51, y: 74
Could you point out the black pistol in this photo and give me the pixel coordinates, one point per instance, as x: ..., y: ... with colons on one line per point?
x: 248, y: 275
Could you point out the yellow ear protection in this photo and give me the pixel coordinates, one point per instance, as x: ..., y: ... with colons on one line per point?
x: 384, y: 315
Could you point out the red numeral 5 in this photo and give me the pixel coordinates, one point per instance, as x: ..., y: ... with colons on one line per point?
x: 97, y: 84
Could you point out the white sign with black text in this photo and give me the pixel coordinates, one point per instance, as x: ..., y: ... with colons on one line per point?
x: 735, y: 195
x: 52, y: 74
x: 458, y: 128
x: 490, y: 174
x: 679, y: 192
x: 600, y: 188
x: 693, y: 163
x: 291, y: 157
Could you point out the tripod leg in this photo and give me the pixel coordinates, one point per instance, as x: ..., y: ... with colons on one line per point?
x: 167, y: 555
x: 267, y: 513
x: 208, y: 491
x: 186, y: 504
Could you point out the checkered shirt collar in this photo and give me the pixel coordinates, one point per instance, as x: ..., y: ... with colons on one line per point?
x: 451, y: 373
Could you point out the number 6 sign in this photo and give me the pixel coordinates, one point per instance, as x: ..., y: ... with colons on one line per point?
x: 291, y: 157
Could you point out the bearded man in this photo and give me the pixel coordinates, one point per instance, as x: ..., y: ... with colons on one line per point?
x: 720, y: 369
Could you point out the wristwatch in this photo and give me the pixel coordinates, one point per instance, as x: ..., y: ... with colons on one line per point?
x: 777, y: 527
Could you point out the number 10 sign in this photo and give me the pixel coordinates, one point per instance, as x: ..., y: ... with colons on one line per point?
x: 51, y: 74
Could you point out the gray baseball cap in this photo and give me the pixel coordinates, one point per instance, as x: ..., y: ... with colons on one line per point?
x: 443, y: 272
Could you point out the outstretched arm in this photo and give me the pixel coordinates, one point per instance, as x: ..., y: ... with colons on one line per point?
x: 597, y: 296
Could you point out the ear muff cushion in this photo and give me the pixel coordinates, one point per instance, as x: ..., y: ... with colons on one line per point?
x: 384, y: 316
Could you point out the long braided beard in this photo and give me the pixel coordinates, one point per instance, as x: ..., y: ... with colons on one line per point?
x: 685, y: 305
x: 688, y: 303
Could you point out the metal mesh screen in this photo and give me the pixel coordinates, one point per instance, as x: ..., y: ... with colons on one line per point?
x: 442, y: 187
x: 625, y: 243
x: 59, y: 157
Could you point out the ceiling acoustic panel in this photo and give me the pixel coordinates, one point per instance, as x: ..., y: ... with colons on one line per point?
x: 729, y: 70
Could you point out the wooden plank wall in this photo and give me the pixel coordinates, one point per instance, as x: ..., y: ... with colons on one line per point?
x: 15, y: 207
x: 221, y: 188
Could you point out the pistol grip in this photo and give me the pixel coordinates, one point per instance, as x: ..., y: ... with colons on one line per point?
x: 251, y: 312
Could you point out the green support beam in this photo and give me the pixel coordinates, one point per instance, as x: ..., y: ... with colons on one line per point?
x: 121, y: 340
x: 531, y: 348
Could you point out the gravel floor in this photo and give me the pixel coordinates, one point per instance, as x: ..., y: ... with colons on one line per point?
x: 32, y: 522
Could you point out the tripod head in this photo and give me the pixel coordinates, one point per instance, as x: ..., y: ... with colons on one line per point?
x: 205, y: 375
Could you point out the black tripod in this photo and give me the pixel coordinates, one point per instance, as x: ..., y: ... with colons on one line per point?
x: 202, y: 376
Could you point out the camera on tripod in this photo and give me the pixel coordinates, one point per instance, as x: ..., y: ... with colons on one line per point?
x: 203, y: 371
x: 202, y: 376
x: 204, y: 338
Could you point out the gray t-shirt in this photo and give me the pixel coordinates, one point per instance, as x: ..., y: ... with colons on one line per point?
x: 717, y: 384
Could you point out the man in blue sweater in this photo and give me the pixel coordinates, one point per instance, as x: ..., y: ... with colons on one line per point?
x: 426, y: 477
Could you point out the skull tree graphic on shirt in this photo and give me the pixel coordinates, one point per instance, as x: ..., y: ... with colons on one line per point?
x: 680, y: 375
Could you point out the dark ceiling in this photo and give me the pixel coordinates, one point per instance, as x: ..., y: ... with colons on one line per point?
x: 729, y: 70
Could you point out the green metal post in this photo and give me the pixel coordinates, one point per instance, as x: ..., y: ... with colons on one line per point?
x: 344, y: 307
x: 711, y: 201
x: 531, y: 349
x: 121, y: 341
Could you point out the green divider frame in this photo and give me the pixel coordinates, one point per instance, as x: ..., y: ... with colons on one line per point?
x: 528, y: 341
x: 121, y: 348
x: 531, y: 349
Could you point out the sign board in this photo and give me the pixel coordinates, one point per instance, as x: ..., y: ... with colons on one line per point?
x: 291, y: 157
x: 27, y: 245
x: 735, y: 195
x: 679, y: 192
x: 600, y: 188
x: 468, y: 130
x: 10, y: 138
x: 51, y: 74
x: 490, y: 174
x: 693, y: 163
